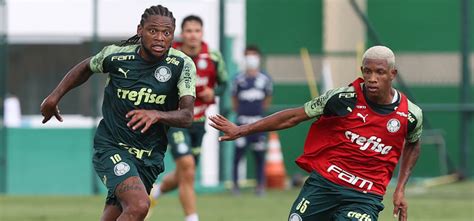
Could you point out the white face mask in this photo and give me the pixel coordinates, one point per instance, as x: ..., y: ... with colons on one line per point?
x: 252, y: 61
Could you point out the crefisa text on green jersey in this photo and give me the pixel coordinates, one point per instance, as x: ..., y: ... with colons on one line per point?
x: 143, y: 95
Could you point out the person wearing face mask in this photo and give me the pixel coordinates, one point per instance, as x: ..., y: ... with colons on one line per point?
x: 251, y: 97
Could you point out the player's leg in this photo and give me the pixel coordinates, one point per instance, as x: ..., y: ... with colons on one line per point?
x: 176, y: 138
x: 197, y: 132
x: 240, y: 149
x: 185, y: 172
x: 179, y: 143
x: 183, y: 175
x: 115, y: 167
x: 183, y: 179
x: 133, y: 198
x: 186, y: 176
x: 148, y: 174
x: 259, y: 151
x: 133, y: 192
x: 111, y: 212
x: 168, y: 183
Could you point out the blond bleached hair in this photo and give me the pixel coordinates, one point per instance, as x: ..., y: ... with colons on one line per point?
x: 380, y: 52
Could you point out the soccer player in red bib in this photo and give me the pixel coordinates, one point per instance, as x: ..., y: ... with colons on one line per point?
x: 359, y: 134
x: 185, y: 143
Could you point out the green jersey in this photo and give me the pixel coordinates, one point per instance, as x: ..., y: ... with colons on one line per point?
x: 134, y: 83
x: 341, y: 101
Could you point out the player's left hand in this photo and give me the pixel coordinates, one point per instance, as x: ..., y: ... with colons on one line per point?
x: 400, y: 206
x: 207, y: 94
x: 142, y: 118
x: 230, y: 130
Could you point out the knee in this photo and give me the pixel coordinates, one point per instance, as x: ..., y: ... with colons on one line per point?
x: 188, y: 173
x: 187, y: 170
x: 138, y: 209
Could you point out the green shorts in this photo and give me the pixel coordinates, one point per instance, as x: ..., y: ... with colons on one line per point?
x: 186, y: 141
x: 322, y: 200
x: 113, y: 165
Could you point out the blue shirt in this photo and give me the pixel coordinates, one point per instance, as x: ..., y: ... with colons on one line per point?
x: 250, y: 92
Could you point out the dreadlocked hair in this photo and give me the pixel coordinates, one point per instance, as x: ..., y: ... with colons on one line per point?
x: 153, y: 10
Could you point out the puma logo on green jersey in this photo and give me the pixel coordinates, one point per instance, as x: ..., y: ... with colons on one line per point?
x: 143, y: 95
x: 123, y: 72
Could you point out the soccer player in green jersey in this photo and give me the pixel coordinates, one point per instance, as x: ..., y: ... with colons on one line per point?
x: 150, y: 87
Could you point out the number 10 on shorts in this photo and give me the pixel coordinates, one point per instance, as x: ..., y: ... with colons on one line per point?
x: 302, y: 206
x: 116, y: 158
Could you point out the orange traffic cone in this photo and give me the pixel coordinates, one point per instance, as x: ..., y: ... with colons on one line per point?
x: 275, y: 173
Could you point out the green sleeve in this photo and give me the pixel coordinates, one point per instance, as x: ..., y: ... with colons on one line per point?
x: 222, y: 76
x: 97, y: 61
x: 187, y: 79
x: 416, y: 114
x: 315, y: 108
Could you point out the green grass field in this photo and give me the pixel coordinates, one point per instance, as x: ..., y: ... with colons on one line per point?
x: 454, y: 202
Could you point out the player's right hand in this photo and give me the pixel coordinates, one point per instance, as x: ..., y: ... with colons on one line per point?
x: 142, y: 118
x: 207, y: 94
x: 49, y: 108
x: 230, y: 130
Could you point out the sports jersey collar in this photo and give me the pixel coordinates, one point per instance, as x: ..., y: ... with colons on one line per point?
x: 204, y: 47
x: 391, y: 106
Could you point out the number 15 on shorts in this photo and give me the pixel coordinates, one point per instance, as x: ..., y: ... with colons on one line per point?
x: 302, y: 205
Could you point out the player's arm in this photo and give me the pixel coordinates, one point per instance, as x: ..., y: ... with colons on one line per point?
x: 143, y: 119
x: 278, y: 121
x: 410, y: 155
x: 75, y: 77
x: 183, y: 117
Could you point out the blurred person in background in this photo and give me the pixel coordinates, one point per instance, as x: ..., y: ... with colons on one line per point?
x: 185, y: 144
x: 351, y: 150
x: 251, y: 97
x: 151, y: 87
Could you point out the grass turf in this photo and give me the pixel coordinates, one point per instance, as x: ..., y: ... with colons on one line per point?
x: 454, y: 202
